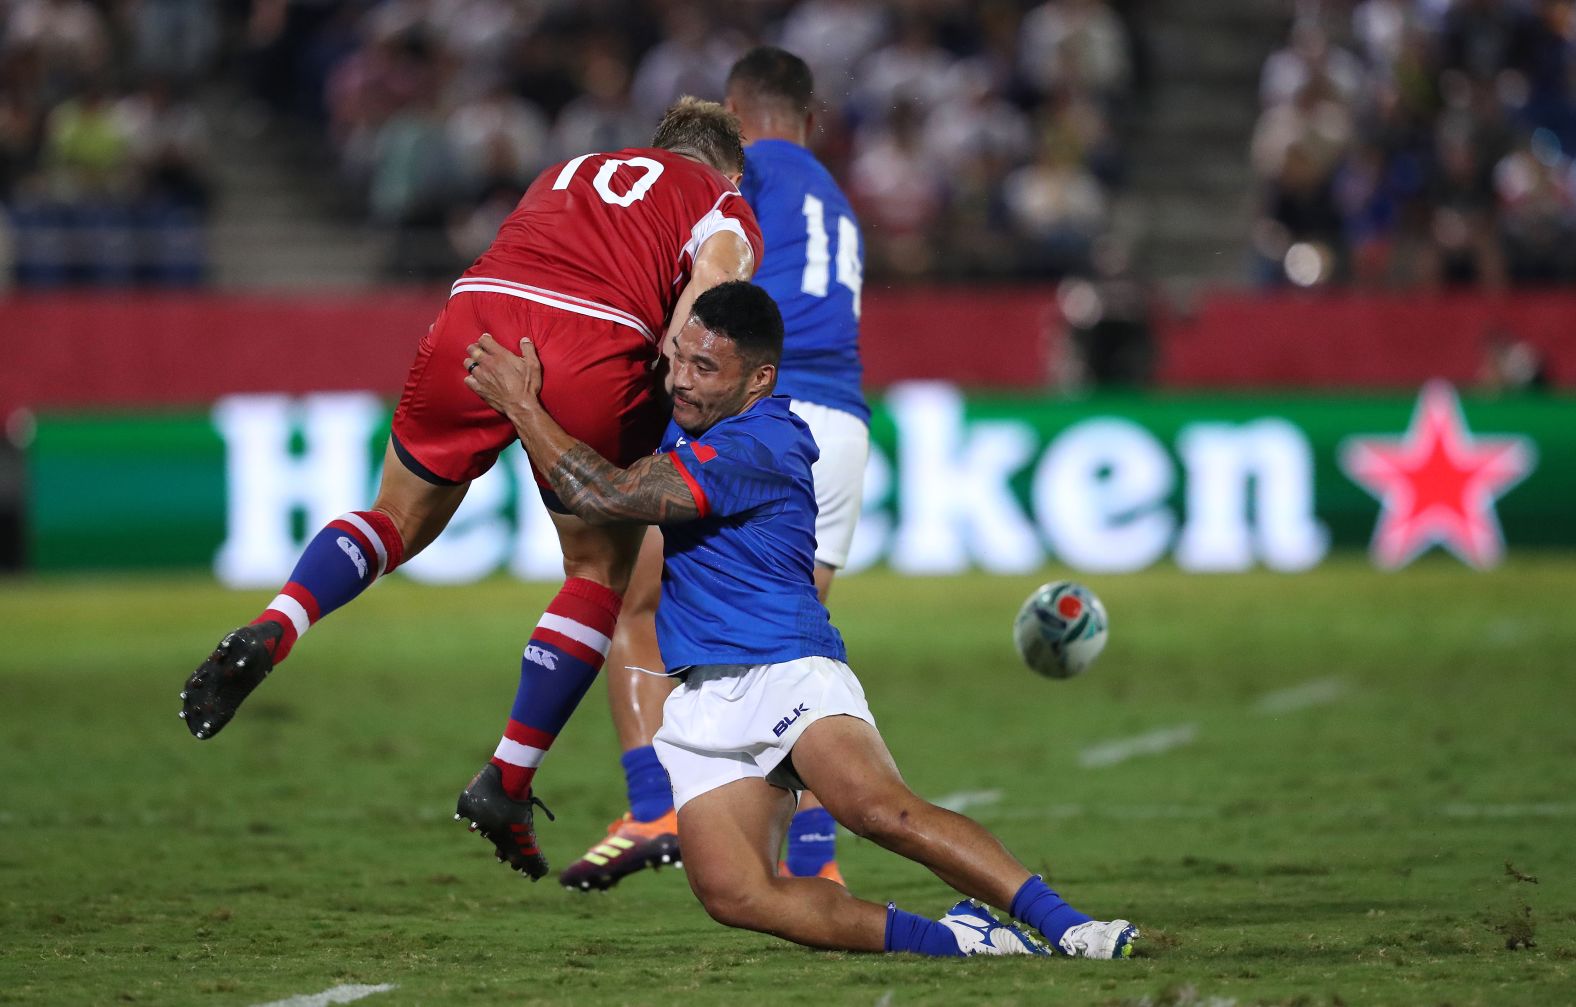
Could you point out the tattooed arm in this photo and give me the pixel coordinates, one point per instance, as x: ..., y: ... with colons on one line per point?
x: 651, y: 491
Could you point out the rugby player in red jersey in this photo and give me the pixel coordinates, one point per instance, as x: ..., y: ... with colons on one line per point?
x: 601, y: 252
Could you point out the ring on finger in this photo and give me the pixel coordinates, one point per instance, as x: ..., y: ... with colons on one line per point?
x: 471, y: 365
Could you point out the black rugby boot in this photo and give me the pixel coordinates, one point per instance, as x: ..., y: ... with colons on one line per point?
x: 503, y: 821
x: 215, y: 690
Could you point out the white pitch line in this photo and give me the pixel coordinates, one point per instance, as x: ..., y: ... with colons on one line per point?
x: 336, y: 995
x: 965, y: 799
x: 1318, y: 692
x: 1109, y: 753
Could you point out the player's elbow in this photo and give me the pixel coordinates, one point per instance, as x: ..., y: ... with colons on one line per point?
x: 597, y: 517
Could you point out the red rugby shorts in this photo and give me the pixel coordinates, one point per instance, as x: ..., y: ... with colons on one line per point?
x: 597, y: 383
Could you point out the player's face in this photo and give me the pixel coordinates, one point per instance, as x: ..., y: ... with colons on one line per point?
x: 710, y: 379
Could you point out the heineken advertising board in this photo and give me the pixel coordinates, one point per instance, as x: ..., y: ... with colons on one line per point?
x: 954, y: 482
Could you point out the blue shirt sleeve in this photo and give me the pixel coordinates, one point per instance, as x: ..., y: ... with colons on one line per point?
x: 730, y: 473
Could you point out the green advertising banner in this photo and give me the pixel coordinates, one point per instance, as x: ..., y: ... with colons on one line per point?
x: 954, y: 482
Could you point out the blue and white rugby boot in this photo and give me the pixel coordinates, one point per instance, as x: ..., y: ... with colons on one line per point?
x: 980, y: 933
x: 1097, y: 939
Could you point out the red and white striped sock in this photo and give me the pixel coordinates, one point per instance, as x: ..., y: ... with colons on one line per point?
x: 344, y: 559
x: 561, y: 660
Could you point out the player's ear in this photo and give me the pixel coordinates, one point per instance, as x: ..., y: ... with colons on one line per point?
x: 763, y: 380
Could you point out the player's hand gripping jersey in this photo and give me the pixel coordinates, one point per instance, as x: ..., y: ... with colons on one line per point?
x: 589, y: 266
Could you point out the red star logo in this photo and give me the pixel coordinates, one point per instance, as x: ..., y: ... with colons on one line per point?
x: 1437, y: 484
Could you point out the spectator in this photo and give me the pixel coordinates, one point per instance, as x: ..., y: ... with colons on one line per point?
x: 1512, y: 365
x: 912, y: 68
x: 899, y: 194
x: 973, y: 121
x: 1533, y: 187
x: 70, y: 37
x: 832, y: 36
x: 1075, y: 44
x: 166, y: 139
x: 1316, y: 122
x: 1309, y: 59
x: 86, y: 155
x: 1058, y: 207
x: 498, y: 137
x: 603, y: 117
x: 693, y: 58
x: 173, y: 39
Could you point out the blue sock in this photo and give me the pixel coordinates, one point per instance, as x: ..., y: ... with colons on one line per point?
x: 565, y: 652
x: 650, y: 790
x: 907, y: 932
x: 1044, y: 910
x: 340, y: 562
x: 812, y: 842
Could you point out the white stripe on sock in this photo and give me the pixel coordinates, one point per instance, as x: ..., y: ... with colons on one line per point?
x: 294, y: 611
x: 516, y: 754
x: 377, y: 543
x: 576, y: 631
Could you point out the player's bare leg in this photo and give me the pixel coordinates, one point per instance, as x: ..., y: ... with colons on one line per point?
x: 812, y: 837
x: 636, y: 690
x: 849, y: 764
x: 340, y: 562
x: 647, y: 834
x: 419, y: 509
x: 731, y: 836
x: 636, y: 686
x: 565, y: 652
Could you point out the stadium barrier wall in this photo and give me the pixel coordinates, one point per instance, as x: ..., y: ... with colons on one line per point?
x: 1000, y: 483
x: 96, y: 349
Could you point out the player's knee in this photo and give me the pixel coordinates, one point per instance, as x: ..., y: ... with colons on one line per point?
x: 747, y: 907
x: 886, y: 820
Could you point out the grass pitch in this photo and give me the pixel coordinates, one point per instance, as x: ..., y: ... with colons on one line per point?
x: 1338, y: 787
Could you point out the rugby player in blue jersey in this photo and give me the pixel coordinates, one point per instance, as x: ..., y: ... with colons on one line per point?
x: 813, y: 269
x: 767, y: 705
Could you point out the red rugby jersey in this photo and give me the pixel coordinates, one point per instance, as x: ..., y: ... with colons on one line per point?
x: 613, y: 235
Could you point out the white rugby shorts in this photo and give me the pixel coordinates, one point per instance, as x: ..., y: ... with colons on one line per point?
x: 839, y: 476
x: 730, y: 722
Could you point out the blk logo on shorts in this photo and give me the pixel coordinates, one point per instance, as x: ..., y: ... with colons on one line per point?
x: 545, y: 658
x: 788, y: 721
x: 354, y: 552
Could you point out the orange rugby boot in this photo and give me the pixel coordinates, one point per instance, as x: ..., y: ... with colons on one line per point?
x: 828, y: 871
x: 629, y: 846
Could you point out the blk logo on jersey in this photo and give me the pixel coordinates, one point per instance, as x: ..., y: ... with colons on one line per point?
x: 352, y: 550
x: 798, y: 711
x: 545, y: 658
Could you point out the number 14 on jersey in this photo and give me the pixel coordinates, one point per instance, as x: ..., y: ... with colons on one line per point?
x: 818, y: 254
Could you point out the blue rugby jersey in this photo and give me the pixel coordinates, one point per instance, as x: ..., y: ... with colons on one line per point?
x: 737, y: 584
x: 814, y: 270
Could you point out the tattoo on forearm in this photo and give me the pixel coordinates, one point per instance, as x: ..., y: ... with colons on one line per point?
x: 651, y: 491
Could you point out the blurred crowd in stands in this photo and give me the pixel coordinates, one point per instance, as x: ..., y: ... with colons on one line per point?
x: 103, y: 155
x: 1401, y: 143
x: 976, y: 138
x: 1420, y: 143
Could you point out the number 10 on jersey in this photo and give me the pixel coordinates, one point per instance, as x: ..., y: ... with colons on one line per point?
x: 818, y: 256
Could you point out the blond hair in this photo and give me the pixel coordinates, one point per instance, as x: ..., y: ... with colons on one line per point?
x: 705, y: 130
